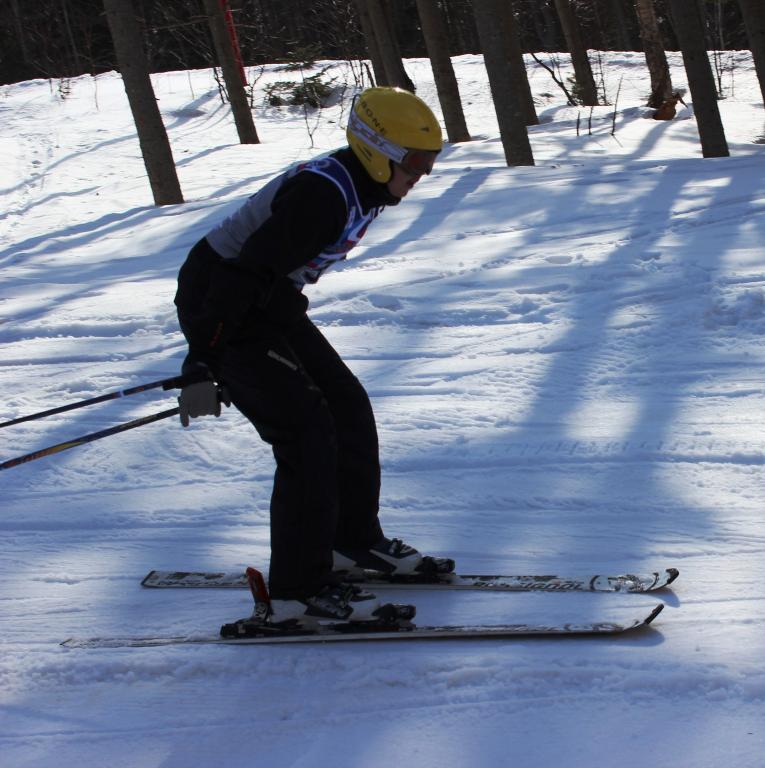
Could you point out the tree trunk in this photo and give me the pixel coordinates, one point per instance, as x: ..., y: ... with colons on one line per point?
x: 753, y: 12
x: 74, y: 67
x: 518, y: 66
x: 18, y: 29
x: 134, y: 68
x: 624, y: 30
x: 224, y: 49
x: 656, y: 59
x: 585, y: 82
x: 545, y: 28
x: 461, y: 24
x: 507, y: 104
x: 388, y: 45
x: 689, y: 29
x: 437, y: 43
x: 373, y: 49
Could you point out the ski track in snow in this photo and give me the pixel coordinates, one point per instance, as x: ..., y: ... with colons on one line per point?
x: 566, y: 364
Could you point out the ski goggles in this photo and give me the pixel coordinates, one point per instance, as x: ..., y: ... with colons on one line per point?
x: 415, y: 162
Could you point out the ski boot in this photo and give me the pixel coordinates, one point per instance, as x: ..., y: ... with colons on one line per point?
x: 390, y: 558
x: 337, y: 607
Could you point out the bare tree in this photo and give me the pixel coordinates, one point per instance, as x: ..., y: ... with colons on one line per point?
x: 373, y: 49
x: 134, y: 68
x: 656, y: 59
x: 619, y: 15
x: 71, y: 42
x: 518, y: 66
x: 388, y: 45
x: 543, y: 21
x: 18, y: 29
x: 585, y: 82
x: 689, y: 28
x: 461, y: 25
x: 507, y: 105
x: 437, y: 43
x: 240, y: 108
x: 753, y: 12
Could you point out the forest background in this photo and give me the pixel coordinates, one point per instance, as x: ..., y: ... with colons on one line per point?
x: 68, y: 38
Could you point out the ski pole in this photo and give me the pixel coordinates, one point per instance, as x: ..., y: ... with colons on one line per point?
x: 89, y: 438
x: 174, y: 383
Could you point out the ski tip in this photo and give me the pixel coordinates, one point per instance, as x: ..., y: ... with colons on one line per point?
x: 146, y: 582
x: 672, y: 574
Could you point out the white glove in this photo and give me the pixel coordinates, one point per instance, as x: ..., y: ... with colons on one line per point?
x: 201, y: 399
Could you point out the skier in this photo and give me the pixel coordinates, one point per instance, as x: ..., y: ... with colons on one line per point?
x: 242, y: 310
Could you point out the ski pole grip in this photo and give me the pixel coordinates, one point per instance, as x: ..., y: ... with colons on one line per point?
x: 179, y: 382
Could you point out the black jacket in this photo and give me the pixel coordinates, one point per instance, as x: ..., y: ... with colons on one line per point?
x: 223, y: 301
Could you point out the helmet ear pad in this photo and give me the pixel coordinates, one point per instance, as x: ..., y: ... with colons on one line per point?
x: 379, y: 167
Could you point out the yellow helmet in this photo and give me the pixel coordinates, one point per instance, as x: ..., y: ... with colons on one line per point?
x: 393, y: 124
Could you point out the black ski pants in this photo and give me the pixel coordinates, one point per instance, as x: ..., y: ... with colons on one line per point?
x: 305, y: 402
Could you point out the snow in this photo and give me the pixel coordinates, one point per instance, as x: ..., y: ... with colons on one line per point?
x: 566, y: 365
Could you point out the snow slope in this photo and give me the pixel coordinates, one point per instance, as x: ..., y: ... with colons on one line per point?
x: 566, y: 364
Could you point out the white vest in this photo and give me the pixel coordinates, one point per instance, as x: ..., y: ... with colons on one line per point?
x: 230, y: 235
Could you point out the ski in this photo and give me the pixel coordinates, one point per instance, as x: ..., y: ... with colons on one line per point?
x: 363, y: 631
x: 597, y: 583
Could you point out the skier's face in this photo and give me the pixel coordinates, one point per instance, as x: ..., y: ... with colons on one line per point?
x: 402, y: 181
